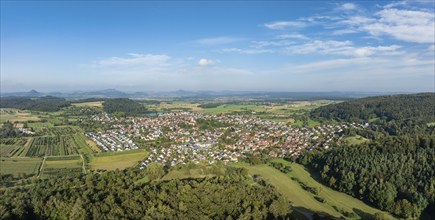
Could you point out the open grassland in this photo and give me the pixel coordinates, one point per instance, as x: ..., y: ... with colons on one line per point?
x: 14, y: 115
x: 174, y: 106
x: 98, y: 104
x: 60, y: 166
x: 336, y: 203
x: 355, y: 140
x: 18, y: 166
x: 37, y: 126
x: 118, y: 160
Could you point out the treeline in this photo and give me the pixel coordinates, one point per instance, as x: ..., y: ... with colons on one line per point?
x: 210, y: 105
x: 123, y: 107
x: 115, y: 195
x: 394, y: 113
x: 396, y: 174
x: 46, y: 104
x: 7, y: 130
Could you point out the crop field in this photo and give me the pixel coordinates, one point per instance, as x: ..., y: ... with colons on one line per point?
x: 118, y: 160
x: 14, y: 115
x: 98, y: 104
x: 60, y: 166
x: 37, y: 126
x: 10, y: 147
x: 19, y: 166
x: 61, y: 130
x: 335, y: 203
x: 52, y: 146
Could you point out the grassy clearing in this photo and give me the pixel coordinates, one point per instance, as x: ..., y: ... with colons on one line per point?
x: 304, y: 199
x: 14, y: 115
x: 60, y: 166
x: 224, y: 109
x: 18, y: 166
x: 118, y: 160
x: 332, y: 197
x: 355, y: 140
x: 185, y: 172
x: 98, y: 104
x: 37, y: 126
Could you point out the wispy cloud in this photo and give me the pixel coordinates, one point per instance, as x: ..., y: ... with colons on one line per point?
x: 345, y: 48
x: 292, y: 36
x: 217, y: 41
x: 280, y: 25
x: 246, y: 51
x: 134, y: 59
x: 279, y: 43
x: 406, y: 25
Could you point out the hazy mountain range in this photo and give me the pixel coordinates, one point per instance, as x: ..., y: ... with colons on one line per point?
x: 113, y: 93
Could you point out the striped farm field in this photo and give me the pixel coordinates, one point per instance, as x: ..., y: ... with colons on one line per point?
x: 52, y: 146
x: 18, y: 166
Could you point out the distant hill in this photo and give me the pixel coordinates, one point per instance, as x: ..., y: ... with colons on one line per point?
x: 416, y: 107
x: 31, y: 93
x: 113, y: 93
x: 123, y: 106
x: 46, y: 103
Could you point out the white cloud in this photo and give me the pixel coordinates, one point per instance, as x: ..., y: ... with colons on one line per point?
x: 205, y: 62
x: 261, y: 44
x: 344, y: 31
x: 134, y: 59
x: 217, y: 41
x: 347, y: 6
x: 406, y: 25
x: 279, y: 25
x: 292, y: 36
x: 246, y: 51
x: 345, y: 48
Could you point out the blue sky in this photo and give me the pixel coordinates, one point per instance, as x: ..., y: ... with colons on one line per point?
x: 372, y: 46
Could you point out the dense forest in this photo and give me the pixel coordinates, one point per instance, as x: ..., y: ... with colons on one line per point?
x: 396, y: 114
x: 395, y: 169
x: 123, y: 107
x: 117, y: 195
x: 47, y: 103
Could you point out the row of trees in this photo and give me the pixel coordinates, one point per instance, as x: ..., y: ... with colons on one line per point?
x: 117, y: 195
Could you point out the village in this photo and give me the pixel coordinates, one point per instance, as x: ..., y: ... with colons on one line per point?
x: 194, y: 137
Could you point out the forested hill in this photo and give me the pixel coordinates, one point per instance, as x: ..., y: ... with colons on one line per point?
x: 123, y: 106
x: 46, y: 103
x: 415, y: 107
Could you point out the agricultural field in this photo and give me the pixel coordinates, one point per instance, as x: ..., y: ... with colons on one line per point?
x: 38, y: 126
x: 15, y: 115
x: 118, y: 160
x: 98, y: 104
x: 60, y: 166
x: 52, y: 146
x: 10, y: 147
x: 19, y: 166
x: 334, y: 203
